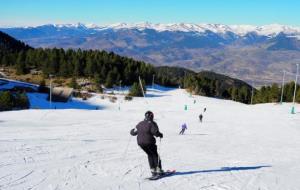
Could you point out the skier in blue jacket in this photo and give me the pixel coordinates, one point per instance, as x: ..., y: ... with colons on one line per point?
x: 183, y: 128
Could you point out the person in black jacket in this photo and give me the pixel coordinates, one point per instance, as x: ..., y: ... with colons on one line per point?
x: 200, y: 117
x: 145, y: 131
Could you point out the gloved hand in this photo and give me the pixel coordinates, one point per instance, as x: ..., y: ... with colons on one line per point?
x: 160, y: 135
x: 133, y: 132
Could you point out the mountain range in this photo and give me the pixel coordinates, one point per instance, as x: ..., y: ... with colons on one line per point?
x: 256, y: 54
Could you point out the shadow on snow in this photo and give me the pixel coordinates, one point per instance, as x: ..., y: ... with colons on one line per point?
x: 155, y: 95
x: 39, y: 101
x: 159, y: 88
x: 223, y: 169
x: 195, y: 134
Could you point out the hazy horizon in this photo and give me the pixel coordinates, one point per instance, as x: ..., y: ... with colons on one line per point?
x: 133, y: 23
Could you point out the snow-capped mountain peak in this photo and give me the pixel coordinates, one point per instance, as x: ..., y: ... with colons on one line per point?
x: 241, y: 30
x: 266, y: 30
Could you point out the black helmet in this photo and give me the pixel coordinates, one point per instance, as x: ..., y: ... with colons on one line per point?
x: 149, y: 115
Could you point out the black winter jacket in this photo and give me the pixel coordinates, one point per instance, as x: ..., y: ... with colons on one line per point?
x: 145, y: 131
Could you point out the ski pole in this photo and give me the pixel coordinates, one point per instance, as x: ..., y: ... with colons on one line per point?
x: 159, y: 149
x: 125, y: 152
x: 124, y: 156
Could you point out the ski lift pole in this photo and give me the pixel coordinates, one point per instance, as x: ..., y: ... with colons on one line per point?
x: 293, y: 108
x: 50, y: 97
x: 252, y: 93
x: 153, y: 82
x: 119, y: 107
x: 282, y: 87
x: 120, y: 87
x: 141, y: 85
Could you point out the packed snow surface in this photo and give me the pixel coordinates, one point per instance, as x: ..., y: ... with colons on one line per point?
x: 237, y: 146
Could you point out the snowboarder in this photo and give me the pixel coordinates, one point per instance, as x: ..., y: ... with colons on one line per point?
x: 200, y: 117
x: 183, y: 128
x: 145, y: 131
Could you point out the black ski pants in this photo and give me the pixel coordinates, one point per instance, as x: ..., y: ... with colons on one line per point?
x: 181, y: 132
x: 153, y: 157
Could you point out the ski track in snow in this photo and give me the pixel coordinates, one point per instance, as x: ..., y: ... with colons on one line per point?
x: 237, y: 147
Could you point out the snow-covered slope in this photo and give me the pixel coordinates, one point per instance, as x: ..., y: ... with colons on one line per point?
x: 236, y: 147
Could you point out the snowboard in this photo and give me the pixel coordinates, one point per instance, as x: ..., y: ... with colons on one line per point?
x: 165, y: 174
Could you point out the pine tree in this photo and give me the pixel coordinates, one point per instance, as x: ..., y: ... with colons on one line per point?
x: 136, y: 90
x: 6, y: 101
x: 274, y: 93
x: 217, y: 88
x: 21, y: 101
x: 64, y: 70
x: 77, y: 67
x: 233, y: 93
x: 90, y: 67
x: 98, y: 82
x: 21, y: 65
x: 4, y: 61
x: 297, y: 99
x: 109, y: 82
x: 243, y: 95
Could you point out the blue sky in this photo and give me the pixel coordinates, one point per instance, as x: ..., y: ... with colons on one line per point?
x: 255, y: 12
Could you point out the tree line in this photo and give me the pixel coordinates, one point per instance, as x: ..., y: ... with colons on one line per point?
x: 105, y: 68
x: 272, y: 93
x: 111, y: 69
x: 212, y: 87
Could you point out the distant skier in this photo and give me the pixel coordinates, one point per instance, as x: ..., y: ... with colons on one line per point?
x: 200, y: 117
x: 145, y: 131
x: 204, y: 110
x: 183, y: 128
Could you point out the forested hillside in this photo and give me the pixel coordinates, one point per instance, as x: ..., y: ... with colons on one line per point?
x: 10, y: 44
x: 110, y: 69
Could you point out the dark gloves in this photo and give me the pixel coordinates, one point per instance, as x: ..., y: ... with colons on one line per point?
x: 160, y: 135
x: 133, y: 132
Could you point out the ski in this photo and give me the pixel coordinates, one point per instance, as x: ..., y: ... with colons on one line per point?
x: 165, y: 174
